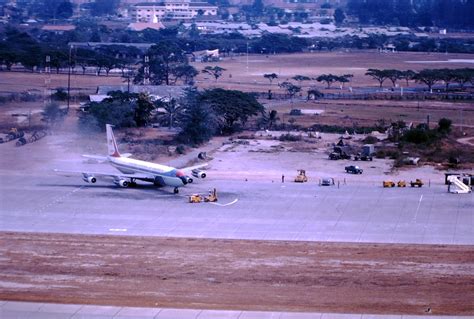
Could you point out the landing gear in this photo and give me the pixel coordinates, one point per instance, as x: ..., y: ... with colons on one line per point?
x: 176, y: 190
x: 132, y: 183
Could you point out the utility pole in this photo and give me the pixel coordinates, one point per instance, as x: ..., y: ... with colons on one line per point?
x: 69, y: 80
x: 247, y: 57
x: 146, y: 71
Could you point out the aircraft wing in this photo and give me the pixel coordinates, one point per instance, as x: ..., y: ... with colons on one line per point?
x: 103, y: 158
x: 107, y: 174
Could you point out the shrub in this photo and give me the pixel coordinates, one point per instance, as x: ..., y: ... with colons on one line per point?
x: 370, y: 140
x: 180, y: 149
x: 289, y: 138
x: 296, y: 112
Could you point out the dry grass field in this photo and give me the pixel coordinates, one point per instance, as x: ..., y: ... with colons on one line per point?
x: 249, y: 76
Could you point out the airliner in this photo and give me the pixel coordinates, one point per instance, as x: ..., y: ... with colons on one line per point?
x: 131, y: 170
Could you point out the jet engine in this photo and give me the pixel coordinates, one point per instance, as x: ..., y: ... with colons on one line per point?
x: 189, y: 179
x: 198, y: 173
x: 121, y: 182
x: 89, y: 179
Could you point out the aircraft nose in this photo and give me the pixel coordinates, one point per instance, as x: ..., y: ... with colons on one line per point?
x: 182, y: 177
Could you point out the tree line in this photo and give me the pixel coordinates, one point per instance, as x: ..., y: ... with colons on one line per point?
x: 442, y: 13
x: 198, y: 115
x: 429, y: 77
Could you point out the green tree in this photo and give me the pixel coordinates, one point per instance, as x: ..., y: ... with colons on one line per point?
x: 339, y: 16
x: 185, y: 72
x: 198, y: 122
x: 407, y: 75
x: 290, y: 88
x: 121, y: 109
x: 393, y: 75
x: 143, y: 108
x: 444, y: 125
x: 173, y: 109
x: 429, y: 77
x: 104, y: 7
x: 376, y: 74
x: 215, y: 71
x: 447, y: 76
x: 270, y: 77
x: 345, y: 78
x: 272, y: 118
x: 64, y: 10
x: 328, y: 78
x: 231, y: 107
x: 301, y: 78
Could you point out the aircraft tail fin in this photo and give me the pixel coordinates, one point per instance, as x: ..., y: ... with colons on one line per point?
x: 111, y: 143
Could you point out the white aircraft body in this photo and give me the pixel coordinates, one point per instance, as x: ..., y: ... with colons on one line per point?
x: 132, y: 170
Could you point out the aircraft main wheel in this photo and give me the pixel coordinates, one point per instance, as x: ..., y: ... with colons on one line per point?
x: 176, y: 190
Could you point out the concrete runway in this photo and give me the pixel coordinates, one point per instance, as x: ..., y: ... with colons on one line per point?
x: 246, y: 210
x: 27, y: 310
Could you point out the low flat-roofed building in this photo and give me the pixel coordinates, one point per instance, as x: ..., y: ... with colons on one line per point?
x: 171, y: 10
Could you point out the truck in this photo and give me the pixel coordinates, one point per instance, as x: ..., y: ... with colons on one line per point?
x: 353, y: 169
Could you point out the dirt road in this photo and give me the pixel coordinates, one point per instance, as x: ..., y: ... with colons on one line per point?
x: 230, y: 274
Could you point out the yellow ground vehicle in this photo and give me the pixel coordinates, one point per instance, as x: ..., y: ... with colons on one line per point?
x: 301, y: 177
x: 388, y: 184
x: 402, y: 184
x: 195, y: 198
x: 212, y: 197
x: 417, y: 183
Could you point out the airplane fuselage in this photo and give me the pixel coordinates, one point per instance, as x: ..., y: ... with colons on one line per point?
x: 164, y: 175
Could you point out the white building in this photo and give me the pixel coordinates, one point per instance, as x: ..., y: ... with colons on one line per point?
x: 171, y: 10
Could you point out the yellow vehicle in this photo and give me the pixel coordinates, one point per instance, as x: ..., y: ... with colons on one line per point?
x: 301, y: 177
x: 212, y: 197
x: 388, y: 184
x: 417, y: 183
x: 402, y: 184
x: 195, y: 198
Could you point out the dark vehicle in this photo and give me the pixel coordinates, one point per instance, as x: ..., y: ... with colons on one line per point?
x: 338, y: 156
x: 363, y: 157
x: 354, y: 169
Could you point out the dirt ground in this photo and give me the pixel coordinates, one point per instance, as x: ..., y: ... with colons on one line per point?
x: 237, y: 274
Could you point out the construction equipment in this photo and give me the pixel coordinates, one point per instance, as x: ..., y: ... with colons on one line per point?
x: 417, y: 183
x: 195, y: 198
x: 301, y: 177
x: 388, y: 184
x: 402, y: 183
x: 33, y: 138
x: 11, y: 135
x: 212, y: 197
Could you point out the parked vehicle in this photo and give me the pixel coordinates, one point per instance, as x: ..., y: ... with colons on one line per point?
x: 301, y: 177
x: 417, y: 183
x: 388, y: 184
x: 327, y: 181
x: 363, y: 157
x: 353, y: 169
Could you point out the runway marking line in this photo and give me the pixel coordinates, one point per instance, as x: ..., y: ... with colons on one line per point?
x: 228, y: 204
x: 118, y: 229
x: 418, y: 208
